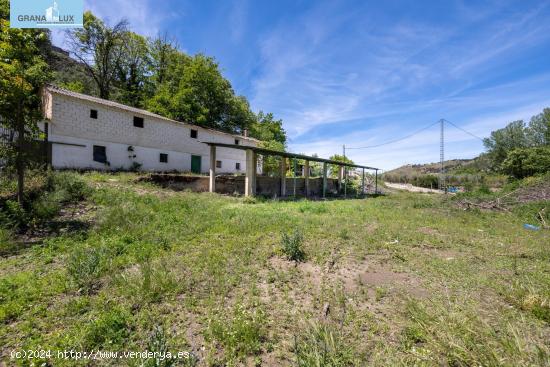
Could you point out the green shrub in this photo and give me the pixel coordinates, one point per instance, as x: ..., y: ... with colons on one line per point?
x: 523, y: 162
x: 13, y: 214
x: 73, y: 188
x: 85, y: 266
x: 322, y: 345
x: 7, y: 245
x: 292, y: 246
x: 48, y: 205
x: 241, y: 333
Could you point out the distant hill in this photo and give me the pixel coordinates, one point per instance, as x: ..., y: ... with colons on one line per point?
x: 68, y: 72
x: 453, y: 166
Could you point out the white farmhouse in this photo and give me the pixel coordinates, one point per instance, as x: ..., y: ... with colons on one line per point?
x: 86, y: 132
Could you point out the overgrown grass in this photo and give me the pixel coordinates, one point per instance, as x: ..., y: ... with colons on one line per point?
x: 404, y: 279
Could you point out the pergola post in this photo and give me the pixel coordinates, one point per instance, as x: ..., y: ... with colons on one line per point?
x: 283, y: 176
x: 324, y: 179
x: 212, y: 181
x: 345, y: 181
x: 340, y: 176
x: 363, y: 183
x: 376, y: 182
x: 306, y: 177
x: 250, y: 178
x: 294, y: 181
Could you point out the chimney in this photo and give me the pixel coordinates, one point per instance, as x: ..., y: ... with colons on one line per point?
x: 245, y: 133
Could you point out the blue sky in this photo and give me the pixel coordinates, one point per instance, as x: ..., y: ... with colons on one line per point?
x: 365, y: 72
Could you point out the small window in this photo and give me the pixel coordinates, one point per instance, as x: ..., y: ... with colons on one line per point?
x: 237, y: 141
x: 93, y: 114
x: 163, y: 158
x: 138, y: 121
x: 194, y: 134
x: 100, y: 154
x: 218, y: 164
x: 238, y: 166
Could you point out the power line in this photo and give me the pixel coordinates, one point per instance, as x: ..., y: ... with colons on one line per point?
x: 396, y: 140
x: 459, y: 128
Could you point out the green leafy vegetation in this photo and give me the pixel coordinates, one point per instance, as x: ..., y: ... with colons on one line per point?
x: 292, y: 246
x: 403, y: 279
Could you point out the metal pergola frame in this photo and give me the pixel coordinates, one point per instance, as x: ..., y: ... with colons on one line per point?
x: 251, y: 167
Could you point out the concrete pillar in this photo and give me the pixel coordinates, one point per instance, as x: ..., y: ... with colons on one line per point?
x: 306, y: 177
x: 283, y: 176
x: 324, y: 179
x: 376, y: 182
x: 250, y: 178
x: 294, y: 168
x: 363, y: 183
x: 340, y: 176
x: 212, y: 182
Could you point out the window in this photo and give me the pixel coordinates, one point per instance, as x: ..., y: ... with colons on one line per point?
x: 93, y: 114
x: 238, y: 166
x: 218, y: 164
x: 100, y: 154
x: 194, y: 134
x: 163, y: 158
x: 138, y: 121
x: 237, y: 141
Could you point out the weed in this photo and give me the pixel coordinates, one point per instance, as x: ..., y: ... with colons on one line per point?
x: 85, y: 266
x: 109, y: 328
x: 241, y: 333
x: 322, y: 345
x: 292, y: 246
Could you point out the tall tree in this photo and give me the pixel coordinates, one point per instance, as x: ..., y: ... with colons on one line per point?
x: 100, y: 48
x: 504, y: 140
x: 538, y: 131
x: 23, y: 71
x: 163, y: 52
x: 133, y: 70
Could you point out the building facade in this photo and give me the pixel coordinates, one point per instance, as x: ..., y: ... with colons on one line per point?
x: 86, y: 132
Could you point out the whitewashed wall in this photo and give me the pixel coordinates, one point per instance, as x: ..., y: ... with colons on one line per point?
x: 114, y: 128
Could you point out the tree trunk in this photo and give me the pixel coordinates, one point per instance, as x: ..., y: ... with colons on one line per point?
x: 20, y: 162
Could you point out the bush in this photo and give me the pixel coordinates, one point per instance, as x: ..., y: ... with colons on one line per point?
x: 48, y: 205
x: 292, y: 246
x: 523, y: 162
x: 7, y: 246
x: 70, y: 185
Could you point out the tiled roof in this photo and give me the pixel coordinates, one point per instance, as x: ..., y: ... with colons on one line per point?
x: 57, y: 90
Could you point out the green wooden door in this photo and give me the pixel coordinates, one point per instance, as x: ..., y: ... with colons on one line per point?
x: 196, y: 163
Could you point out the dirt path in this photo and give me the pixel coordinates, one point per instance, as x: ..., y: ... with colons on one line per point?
x: 409, y: 187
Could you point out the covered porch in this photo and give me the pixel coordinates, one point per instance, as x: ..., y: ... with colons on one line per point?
x: 289, y: 186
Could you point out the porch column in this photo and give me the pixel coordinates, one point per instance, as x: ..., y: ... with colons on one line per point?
x: 324, y: 179
x: 340, y: 176
x: 363, y: 183
x: 250, y: 178
x: 376, y: 182
x: 212, y: 182
x: 306, y: 177
x: 283, y: 176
